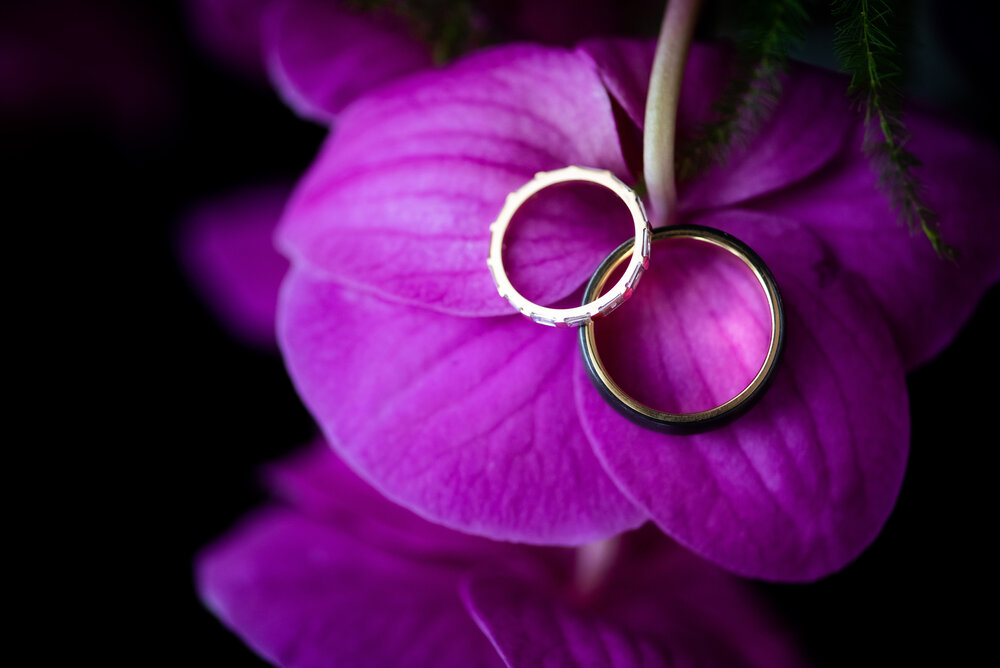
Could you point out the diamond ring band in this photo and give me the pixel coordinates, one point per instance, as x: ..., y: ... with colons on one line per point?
x: 638, y: 252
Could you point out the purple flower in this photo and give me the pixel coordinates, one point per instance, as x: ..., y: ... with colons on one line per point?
x: 476, y: 419
x: 320, y: 54
x: 337, y: 575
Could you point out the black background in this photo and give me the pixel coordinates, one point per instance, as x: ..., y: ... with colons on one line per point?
x: 146, y: 423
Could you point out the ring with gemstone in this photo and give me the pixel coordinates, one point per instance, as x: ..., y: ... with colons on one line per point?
x: 636, y: 249
x: 675, y: 423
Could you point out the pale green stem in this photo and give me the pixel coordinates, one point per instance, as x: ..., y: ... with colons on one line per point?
x: 661, y: 108
x: 594, y: 562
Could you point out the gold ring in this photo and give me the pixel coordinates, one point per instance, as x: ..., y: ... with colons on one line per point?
x: 701, y: 420
x: 598, y: 308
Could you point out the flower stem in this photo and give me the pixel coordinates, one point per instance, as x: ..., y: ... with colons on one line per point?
x: 594, y: 562
x: 660, y: 134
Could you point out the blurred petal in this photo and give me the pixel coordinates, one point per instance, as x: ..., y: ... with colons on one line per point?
x: 401, y: 198
x: 666, y: 608
x: 780, y: 153
x: 530, y: 626
x: 926, y: 299
x: 467, y: 421
x: 230, y: 30
x: 321, y: 55
x: 303, y: 594
x: 666, y: 592
x: 545, y: 21
x: 228, y: 249
x: 800, y: 485
x: 319, y: 484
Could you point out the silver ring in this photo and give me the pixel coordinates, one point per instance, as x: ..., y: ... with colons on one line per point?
x: 602, y: 305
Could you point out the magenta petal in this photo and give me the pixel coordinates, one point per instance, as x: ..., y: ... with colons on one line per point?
x: 800, y: 485
x: 624, y: 66
x: 925, y: 298
x: 401, y: 197
x: 804, y: 132
x: 467, y: 421
x: 303, y: 594
x: 318, y: 483
x: 227, y: 248
x: 669, y: 609
x: 530, y: 626
x: 321, y: 56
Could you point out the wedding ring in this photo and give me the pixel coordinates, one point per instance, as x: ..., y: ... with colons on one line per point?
x: 636, y: 249
x: 703, y: 420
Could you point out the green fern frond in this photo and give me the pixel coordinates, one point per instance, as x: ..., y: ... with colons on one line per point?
x: 869, y: 53
x: 769, y: 28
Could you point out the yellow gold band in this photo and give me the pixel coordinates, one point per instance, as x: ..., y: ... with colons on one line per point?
x: 702, y: 420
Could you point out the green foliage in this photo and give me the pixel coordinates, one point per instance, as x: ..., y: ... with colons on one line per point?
x: 767, y: 29
x: 867, y: 47
x: 447, y: 25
